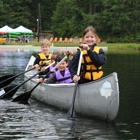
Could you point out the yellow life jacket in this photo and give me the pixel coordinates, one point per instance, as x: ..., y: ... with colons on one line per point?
x: 88, y: 69
x: 43, y: 59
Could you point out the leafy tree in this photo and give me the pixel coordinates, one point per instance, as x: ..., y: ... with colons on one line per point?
x: 16, y: 12
x: 67, y: 18
x: 47, y: 7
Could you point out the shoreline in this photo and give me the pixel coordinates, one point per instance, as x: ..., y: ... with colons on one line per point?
x: 30, y: 48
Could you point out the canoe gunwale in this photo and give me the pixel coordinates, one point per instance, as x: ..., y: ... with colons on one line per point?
x: 89, y: 99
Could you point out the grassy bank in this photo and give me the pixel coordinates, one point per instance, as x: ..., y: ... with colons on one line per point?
x: 112, y: 47
x: 122, y: 47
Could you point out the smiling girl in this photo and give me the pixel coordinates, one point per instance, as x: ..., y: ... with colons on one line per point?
x: 93, y: 58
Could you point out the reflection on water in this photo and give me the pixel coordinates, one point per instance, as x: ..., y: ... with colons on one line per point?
x: 39, y: 121
x: 128, y: 69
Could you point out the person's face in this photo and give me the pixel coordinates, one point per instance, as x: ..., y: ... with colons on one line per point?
x: 89, y: 38
x: 62, y: 66
x: 45, y: 49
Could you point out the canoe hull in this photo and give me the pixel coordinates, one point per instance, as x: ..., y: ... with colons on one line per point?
x: 98, y: 99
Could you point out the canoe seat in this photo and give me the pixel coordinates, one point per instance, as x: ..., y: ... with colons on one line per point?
x: 60, y: 40
x: 80, y: 40
x: 65, y: 40
x: 2, y: 40
x: 51, y: 39
x: 71, y: 40
x: 55, y: 39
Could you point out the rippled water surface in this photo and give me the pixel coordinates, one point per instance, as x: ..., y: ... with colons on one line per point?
x: 38, y: 121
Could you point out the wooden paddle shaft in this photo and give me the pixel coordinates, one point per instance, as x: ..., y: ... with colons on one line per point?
x: 79, y: 65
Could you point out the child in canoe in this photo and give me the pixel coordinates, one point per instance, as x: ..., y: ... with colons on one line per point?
x: 53, y: 58
x: 62, y: 75
x: 44, y: 57
x: 93, y: 58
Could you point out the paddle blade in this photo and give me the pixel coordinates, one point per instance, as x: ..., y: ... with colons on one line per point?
x: 6, y: 77
x: 6, y: 80
x: 71, y: 113
x: 23, y: 98
x: 5, y: 90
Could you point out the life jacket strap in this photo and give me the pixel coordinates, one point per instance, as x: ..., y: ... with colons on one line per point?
x: 65, y: 78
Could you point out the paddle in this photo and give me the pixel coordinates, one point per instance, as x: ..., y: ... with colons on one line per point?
x: 6, y: 80
x: 71, y: 113
x: 6, y: 89
x: 6, y: 76
x: 10, y: 79
x: 3, y: 78
x: 11, y: 92
x: 24, y: 97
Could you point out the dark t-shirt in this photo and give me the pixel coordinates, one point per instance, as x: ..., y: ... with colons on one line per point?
x: 37, y: 60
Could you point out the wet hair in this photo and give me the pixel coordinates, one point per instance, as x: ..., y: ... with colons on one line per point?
x: 93, y: 30
x: 59, y: 57
x: 45, y: 42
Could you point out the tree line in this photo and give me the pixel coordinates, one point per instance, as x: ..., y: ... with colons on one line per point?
x: 114, y: 20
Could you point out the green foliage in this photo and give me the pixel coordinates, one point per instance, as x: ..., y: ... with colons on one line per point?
x: 114, y: 20
x: 137, y: 39
x: 15, y: 13
x: 47, y: 7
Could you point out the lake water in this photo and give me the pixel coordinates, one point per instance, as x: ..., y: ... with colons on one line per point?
x: 38, y: 121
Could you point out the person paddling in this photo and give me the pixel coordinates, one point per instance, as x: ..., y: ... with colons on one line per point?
x: 43, y: 57
x: 93, y: 58
x: 53, y: 59
x: 62, y: 75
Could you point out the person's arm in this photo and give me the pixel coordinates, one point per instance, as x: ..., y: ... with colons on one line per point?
x: 37, y: 60
x: 70, y: 52
x: 74, y: 64
x: 52, y: 79
x: 97, y: 59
